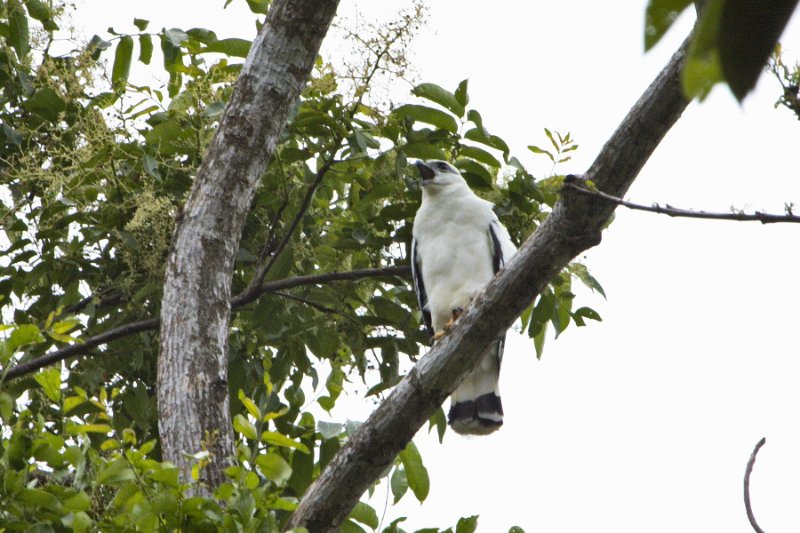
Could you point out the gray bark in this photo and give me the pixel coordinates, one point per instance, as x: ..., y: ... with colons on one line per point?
x: 192, y: 365
x: 574, y: 225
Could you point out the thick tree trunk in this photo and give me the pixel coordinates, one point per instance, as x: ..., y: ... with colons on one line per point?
x: 192, y: 366
x: 574, y: 225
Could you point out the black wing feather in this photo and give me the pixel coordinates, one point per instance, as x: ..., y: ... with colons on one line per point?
x: 419, y: 285
x: 498, y: 261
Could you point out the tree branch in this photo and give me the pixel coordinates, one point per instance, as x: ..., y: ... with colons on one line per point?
x: 81, y: 347
x: 575, y: 184
x: 749, y: 470
x: 574, y: 225
x: 85, y: 345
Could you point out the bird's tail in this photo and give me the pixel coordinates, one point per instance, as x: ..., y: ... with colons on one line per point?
x: 475, y: 406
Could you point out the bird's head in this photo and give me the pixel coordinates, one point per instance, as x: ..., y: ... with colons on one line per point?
x: 438, y: 174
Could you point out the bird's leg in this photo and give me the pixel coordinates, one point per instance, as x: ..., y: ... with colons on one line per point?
x: 450, y: 324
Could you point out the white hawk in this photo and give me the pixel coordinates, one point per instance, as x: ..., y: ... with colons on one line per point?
x: 458, y: 245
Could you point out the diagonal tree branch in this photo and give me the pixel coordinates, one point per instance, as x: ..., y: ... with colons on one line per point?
x: 89, y: 343
x: 573, y: 183
x: 749, y: 470
x: 574, y: 225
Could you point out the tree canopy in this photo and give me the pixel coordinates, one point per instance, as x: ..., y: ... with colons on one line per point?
x: 96, y: 168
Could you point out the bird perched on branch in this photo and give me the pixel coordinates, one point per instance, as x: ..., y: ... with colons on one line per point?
x: 458, y: 246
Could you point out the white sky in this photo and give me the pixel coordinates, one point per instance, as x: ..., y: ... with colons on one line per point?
x: 643, y: 422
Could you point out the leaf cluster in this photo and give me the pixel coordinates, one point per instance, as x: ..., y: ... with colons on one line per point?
x: 93, y: 172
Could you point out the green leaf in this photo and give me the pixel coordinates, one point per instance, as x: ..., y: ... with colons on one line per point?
x: 46, y: 103
x: 329, y: 430
x: 41, y: 12
x: 176, y: 36
x: 277, y: 439
x: 145, y: 49
x: 78, y: 502
x: 150, y: 165
x: 422, y: 150
x: 115, y: 473
x: 214, y: 109
x: 482, y: 136
x: 72, y: 402
x: 439, y: 420
x: 467, y: 524
x: 416, y: 473
x: 461, y: 93
x: 516, y: 529
x: 537, y: 150
x: 202, y: 35
x: 398, y: 483
x: 428, y: 115
x: 50, y: 380
x: 245, y: 427
x: 39, y: 498
x: 260, y: 7
x: 250, y: 405
x: 22, y: 335
x: 479, y: 154
x: 141, y: 24
x: 365, y: 514
x: 274, y: 467
x: 18, y: 36
x: 585, y: 312
x: 580, y: 271
x: 231, y: 47
x: 658, y: 17
x: 6, y: 406
x: 435, y: 93
x: 743, y: 52
x: 702, y: 69
x: 538, y: 341
x: 475, y: 174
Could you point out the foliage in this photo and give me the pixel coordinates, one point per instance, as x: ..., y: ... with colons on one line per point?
x: 732, y: 41
x: 94, y: 171
x: 789, y: 79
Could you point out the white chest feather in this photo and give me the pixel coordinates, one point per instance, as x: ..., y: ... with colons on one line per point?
x: 454, y: 244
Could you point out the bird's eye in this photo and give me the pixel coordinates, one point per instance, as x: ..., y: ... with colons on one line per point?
x: 442, y: 166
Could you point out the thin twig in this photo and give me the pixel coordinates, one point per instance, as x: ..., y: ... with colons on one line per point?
x: 85, y: 345
x: 312, y: 188
x: 749, y: 470
x: 263, y: 269
x: 764, y: 218
x: 82, y: 347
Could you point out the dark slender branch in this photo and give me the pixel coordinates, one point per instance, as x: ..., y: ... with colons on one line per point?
x: 301, y: 212
x: 248, y: 296
x: 571, y: 182
x: 83, y: 346
x: 749, y: 470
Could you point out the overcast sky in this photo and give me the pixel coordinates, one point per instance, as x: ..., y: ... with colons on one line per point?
x: 643, y: 422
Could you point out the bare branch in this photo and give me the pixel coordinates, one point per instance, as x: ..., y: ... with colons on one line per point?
x: 84, y: 346
x: 574, y: 225
x: 749, y: 470
x: 573, y: 183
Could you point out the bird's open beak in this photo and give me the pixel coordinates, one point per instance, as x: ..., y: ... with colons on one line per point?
x: 425, y: 171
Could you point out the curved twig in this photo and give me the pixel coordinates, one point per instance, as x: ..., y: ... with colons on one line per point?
x: 749, y: 470
x: 572, y: 182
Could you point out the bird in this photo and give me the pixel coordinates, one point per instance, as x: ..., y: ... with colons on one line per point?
x: 458, y: 245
